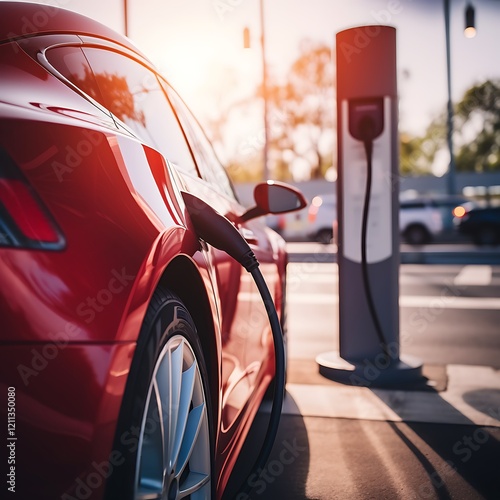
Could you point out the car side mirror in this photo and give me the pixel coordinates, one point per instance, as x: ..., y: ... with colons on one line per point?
x: 273, y: 197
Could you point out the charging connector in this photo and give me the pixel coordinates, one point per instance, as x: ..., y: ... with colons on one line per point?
x: 219, y: 232
x: 366, y: 118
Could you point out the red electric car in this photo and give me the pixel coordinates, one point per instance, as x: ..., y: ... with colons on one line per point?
x: 134, y: 355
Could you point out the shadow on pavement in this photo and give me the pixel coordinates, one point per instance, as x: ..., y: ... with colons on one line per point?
x: 460, y: 458
x: 477, y: 398
x: 288, y: 463
x: 324, y: 458
x: 469, y: 460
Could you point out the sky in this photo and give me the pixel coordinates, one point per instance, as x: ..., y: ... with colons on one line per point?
x: 197, y: 44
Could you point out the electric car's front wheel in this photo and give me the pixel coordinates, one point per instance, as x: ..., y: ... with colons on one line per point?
x: 174, y: 456
x: 165, y: 417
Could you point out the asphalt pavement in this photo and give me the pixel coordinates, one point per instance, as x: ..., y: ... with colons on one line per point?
x: 438, y: 439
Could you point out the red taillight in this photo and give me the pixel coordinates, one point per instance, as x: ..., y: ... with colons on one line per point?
x: 25, y: 211
x: 24, y: 221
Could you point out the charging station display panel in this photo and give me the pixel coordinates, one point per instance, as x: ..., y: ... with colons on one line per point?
x: 355, y: 171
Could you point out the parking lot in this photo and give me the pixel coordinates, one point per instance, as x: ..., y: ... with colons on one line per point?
x: 438, y: 440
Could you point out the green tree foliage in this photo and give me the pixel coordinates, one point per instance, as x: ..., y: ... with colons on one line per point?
x: 417, y: 153
x: 478, y: 115
x: 476, y: 135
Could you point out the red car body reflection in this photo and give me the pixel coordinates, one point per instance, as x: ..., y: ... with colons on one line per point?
x: 92, y: 222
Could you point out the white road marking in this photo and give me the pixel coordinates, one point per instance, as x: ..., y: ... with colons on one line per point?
x: 297, y: 277
x: 471, y: 275
x: 450, y: 302
x: 474, y: 276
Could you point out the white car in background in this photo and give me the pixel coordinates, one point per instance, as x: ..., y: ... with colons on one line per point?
x: 321, y: 217
x: 421, y: 219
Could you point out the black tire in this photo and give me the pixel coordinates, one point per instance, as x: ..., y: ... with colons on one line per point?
x: 325, y: 236
x: 417, y: 235
x: 486, y: 235
x: 168, y: 344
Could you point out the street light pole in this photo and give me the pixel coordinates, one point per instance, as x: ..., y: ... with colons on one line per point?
x: 125, y: 17
x: 265, y: 173
x: 449, y: 120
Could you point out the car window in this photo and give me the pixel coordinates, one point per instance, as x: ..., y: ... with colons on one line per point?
x: 72, y: 64
x: 210, y: 167
x: 132, y: 93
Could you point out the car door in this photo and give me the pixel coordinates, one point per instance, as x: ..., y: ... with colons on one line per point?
x: 242, y: 307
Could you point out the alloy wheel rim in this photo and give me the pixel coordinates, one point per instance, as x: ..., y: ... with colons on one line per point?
x: 173, y: 458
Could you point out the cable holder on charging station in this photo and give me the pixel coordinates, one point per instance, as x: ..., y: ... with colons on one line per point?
x: 366, y: 123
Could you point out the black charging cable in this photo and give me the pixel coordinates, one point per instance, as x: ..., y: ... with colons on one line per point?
x: 368, y: 134
x: 279, y: 381
x: 219, y: 232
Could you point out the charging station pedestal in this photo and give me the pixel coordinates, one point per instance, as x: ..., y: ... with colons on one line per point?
x: 368, y: 229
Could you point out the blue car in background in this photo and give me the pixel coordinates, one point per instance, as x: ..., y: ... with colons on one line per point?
x: 481, y: 224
